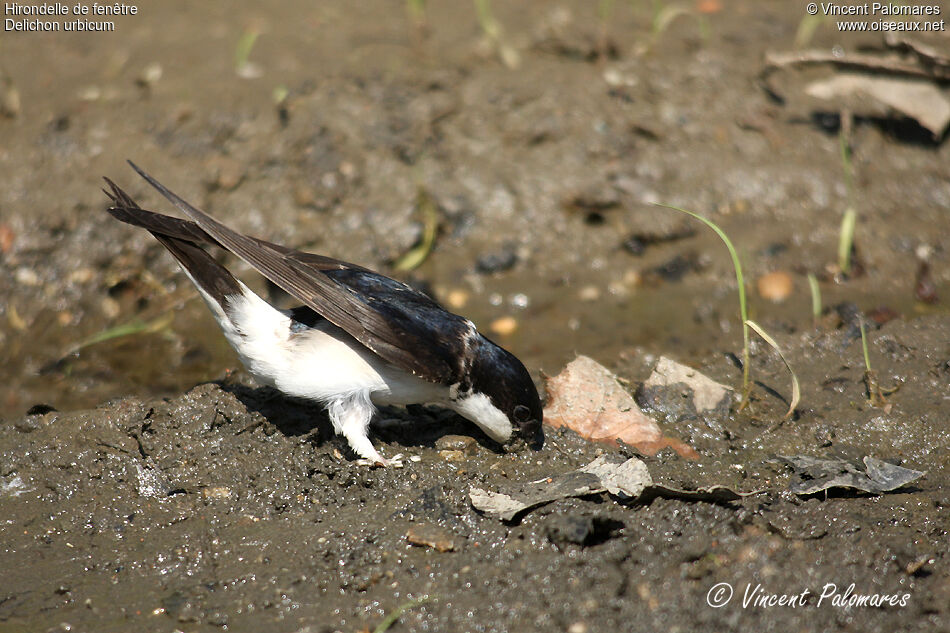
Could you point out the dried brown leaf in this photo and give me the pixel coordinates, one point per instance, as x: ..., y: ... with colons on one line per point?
x: 588, y: 398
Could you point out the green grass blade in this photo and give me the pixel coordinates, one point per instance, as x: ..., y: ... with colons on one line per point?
x: 135, y: 326
x: 486, y: 19
x: 743, y: 312
x: 864, y: 345
x: 796, y: 388
x: 846, y: 240
x: 815, y: 297
x: 806, y: 29
x: 425, y: 205
x: 416, y: 10
x: 845, y: 151
x: 242, y: 52
x: 398, y: 611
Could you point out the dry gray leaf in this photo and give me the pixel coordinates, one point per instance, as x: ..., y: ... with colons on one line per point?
x: 627, y: 480
x: 918, y: 99
x: 816, y: 474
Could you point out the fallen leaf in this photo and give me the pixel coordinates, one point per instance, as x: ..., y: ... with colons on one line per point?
x: 681, y: 392
x: 626, y: 480
x: 816, y: 474
x: 918, y: 99
x: 588, y: 398
x: 710, y: 494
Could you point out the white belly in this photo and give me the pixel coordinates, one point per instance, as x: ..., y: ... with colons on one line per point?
x: 320, y: 363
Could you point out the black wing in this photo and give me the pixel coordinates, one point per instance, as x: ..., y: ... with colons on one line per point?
x: 404, y: 327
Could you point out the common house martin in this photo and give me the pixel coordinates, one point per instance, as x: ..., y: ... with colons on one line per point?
x: 360, y: 339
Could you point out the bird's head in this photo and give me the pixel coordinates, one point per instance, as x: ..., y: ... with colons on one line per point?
x: 499, y: 396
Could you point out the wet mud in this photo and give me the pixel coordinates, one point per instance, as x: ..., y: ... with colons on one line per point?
x: 146, y: 482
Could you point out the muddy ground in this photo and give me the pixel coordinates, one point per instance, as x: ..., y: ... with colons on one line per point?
x: 194, y: 500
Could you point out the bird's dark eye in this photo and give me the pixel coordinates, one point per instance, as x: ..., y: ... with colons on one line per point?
x: 521, y: 413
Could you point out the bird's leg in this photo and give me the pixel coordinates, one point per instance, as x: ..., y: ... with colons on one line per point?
x: 351, y: 417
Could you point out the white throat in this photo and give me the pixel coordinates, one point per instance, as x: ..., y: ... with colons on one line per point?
x: 479, y: 409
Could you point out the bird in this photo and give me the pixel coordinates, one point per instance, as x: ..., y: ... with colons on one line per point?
x: 359, y: 340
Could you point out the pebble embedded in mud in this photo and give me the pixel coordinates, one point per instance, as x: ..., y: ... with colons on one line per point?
x: 500, y: 261
x: 457, y: 299
x: 456, y: 443
x: 216, y: 492
x: 227, y: 172
x: 589, y: 293
x: 450, y: 455
x: 775, y: 286
x: 503, y: 326
x: 432, y: 536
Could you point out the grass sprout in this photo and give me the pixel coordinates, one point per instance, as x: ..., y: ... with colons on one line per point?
x: 846, y: 240
x: 665, y: 14
x: 743, y: 311
x: 243, y: 66
x: 850, y: 218
x: 398, y: 611
x: 242, y: 52
x: 605, y: 10
x: 129, y: 328
x: 815, y: 298
x: 807, y: 27
x: 877, y: 395
x: 426, y: 207
x: 796, y: 388
x: 416, y: 10
x: 491, y: 27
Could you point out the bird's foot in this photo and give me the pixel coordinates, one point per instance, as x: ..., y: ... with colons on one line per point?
x: 379, y: 461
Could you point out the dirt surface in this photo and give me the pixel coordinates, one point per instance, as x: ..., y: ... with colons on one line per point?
x: 194, y: 500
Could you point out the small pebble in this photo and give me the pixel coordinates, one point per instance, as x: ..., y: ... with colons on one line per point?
x: 452, y: 456
x: 27, y: 277
x: 216, y: 492
x: 81, y: 276
x: 497, y: 262
x: 228, y: 172
x: 589, y: 293
x: 304, y: 195
x: 504, y: 326
x: 347, y: 169
x: 455, y: 442
x: 10, y: 105
x: 6, y: 238
x: 432, y: 536
x: 110, y: 307
x: 775, y: 286
x: 150, y: 75
x: 456, y: 299
x: 519, y: 300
